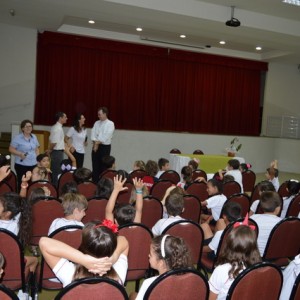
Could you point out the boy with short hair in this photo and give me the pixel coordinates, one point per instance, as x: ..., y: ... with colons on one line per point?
x: 231, y: 212
x: 233, y: 169
x: 109, y: 162
x: 175, y: 207
x: 74, y: 206
x: 270, y: 203
x: 82, y: 175
x: 163, y: 165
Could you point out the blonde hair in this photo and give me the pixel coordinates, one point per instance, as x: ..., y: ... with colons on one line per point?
x: 70, y: 201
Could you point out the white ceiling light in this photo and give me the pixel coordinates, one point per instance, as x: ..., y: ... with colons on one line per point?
x: 139, y: 29
x: 183, y: 36
x: 258, y: 48
x: 292, y: 2
x: 91, y: 21
x: 222, y: 42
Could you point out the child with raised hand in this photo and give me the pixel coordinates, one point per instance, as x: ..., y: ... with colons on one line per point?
x: 215, y: 201
x: 293, y: 188
x: 239, y: 252
x: 74, y: 206
x: 124, y: 213
x: 272, y: 174
x: 167, y: 253
x: 263, y: 186
x: 194, y: 164
x: 15, y: 216
x: 101, y: 253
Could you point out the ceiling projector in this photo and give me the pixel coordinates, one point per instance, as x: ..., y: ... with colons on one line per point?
x: 233, y: 22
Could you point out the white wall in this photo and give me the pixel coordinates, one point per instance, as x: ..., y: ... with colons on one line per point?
x: 17, y: 89
x: 17, y: 74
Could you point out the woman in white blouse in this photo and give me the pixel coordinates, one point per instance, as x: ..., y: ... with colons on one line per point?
x: 78, y: 134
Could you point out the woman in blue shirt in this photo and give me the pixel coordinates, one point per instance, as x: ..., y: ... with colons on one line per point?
x: 25, y: 147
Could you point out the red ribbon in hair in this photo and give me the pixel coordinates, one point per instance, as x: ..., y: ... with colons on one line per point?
x: 109, y: 224
x: 245, y: 223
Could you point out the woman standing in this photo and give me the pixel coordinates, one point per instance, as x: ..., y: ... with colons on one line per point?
x: 78, y: 134
x: 25, y: 147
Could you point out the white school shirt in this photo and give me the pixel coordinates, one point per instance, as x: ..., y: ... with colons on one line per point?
x: 144, y: 288
x: 285, y: 206
x: 161, y: 224
x: 289, y: 276
x: 275, y: 182
x: 78, y: 139
x: 61, y: 222
x: 11, y: 225
x: 216, y: 204
x: 254, y: 205
x: 57, y: 136
x: 103, y: 131
x: 219, y: 281
x: 265, y: 223
x: 237, y: 175
x: 64, y: 270
x: 214, y: 243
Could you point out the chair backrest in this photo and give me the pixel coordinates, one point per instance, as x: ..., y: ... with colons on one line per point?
x: 7, y: 294
x: 175, y: 151
x: 230, y: 188
x: 192, y: 234
x: 260, y: 281
x: 108, y: 174
x: 199, y: 173
x: 124, y: 196
x: 63, y: 179
x: 254, y: 194
x: 139, y: 238
x: 198, y: 152
x: 139, y: 174
x: 42, y: 183
x: 284, y: 241
x: 12, y: 250
x: 43, y: 213
x: 71, y: 235
x: 295, y: 294
x: 192, y: 208
x: 282, y: 191
x: 243, y: 200
x: 294, y: 207
x: 152, y: 211
x: 170, y: 175
x: 100, y: 288
x: 178, y: 284
x: 95, y: 210
x: 11, y: 179
x: 248, y: 178
x: 5, y: 188
x: 88, y: 188
x: 198, y: 189
x: 159, y: 188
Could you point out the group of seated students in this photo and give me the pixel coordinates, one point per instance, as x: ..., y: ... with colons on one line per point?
x: 104, y: 252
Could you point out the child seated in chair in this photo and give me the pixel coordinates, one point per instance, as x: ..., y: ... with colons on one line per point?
x: 233, y: 168
x: 109, y: 162
x: 263, y: 186
x: 231, y: 212
x: 270, y: 203
x: 82, y: 175
x: 215, y: 201
x: 43, y: 160
x: 272, y: 174
x: 151, y: 169
x: 163, y: 165
x: 123, y: 214
x: 74, y: 206
x: 174, y: 207
x: 293, y: 188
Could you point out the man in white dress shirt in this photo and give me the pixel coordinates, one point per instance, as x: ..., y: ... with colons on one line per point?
x: 102, y: 133
x: 57, y: 145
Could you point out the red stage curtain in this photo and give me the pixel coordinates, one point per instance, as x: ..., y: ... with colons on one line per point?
x: 146, y: 87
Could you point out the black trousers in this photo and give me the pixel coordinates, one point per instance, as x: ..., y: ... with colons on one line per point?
x: 21, y: 170
x: 79, y: 159
x: 97, y: 163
